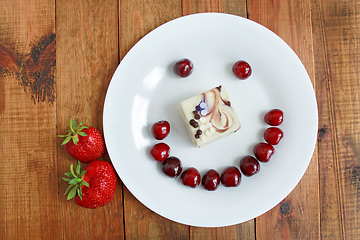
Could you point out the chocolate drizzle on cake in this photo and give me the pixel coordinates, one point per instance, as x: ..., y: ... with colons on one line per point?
x: 210, y: 115
x: 193, y: 123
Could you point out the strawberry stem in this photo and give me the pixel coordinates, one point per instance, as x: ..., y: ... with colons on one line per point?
x: 76, y: 181
x: 75, y: 130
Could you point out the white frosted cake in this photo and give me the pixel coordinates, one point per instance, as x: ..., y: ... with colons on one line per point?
x: 209, y: 116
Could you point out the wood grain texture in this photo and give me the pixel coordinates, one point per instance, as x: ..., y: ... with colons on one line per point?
x: 298, y: 215
x: 137, y: 18
x: 142, y: 223
x: 28, y: 151
x: 87, y: 56
x: 56, y: 61
x: 191, y: 7
x: 244, y: 230
x: 336, y: 44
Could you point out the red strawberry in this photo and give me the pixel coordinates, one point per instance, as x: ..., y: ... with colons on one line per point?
x: 93, y: 187
x: 83, y: 143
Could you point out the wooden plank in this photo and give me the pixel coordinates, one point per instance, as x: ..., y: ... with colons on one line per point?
x: 136, y: 20
x: 142, y: 223
x: 245, y: 230
x: 29, y: 203
x: 336, y: 41
x: 238, y: 7
x: 297, y: 216
x: 191, y: 7
x: 223, y: 6
x: 87, y: 56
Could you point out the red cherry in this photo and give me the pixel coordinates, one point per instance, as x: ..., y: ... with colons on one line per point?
x: 242, y: 70
x: 183, y: 67
x: 249, y: 166
x: 274, y: 117
x: 231, y: 177
x: 160, y: 152
x: 273, y: 135
x: 160, y: 129
x: 263, y: 151
x: 191, y: 177
x: 172, y: 167
x: 211, y: 180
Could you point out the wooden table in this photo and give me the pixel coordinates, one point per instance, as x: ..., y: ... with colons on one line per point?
x: 56, y: 61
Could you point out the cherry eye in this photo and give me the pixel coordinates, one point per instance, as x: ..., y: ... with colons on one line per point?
x: 183, y: 67
x: 242, y: 70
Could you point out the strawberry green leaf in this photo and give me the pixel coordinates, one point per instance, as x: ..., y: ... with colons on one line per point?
x: 67, y: 189
x: 74, y: 181
x: 86, y: 184
x: 75, y: 139
x: 72, y: 124
x: 72, y: 170
x: 72, y: 193
x: 79, y: 193
x: 82, y: 128
x: 67, y: 179
x: 82, y: 122
x: 78, y: 169
x: 82, y: 174
x: 74, y: 132
x: 67, y: 139
x: 82, y: 134
x: 69, y: 174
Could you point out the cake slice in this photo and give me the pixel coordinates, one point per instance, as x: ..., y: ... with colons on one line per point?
x: 209, y: 116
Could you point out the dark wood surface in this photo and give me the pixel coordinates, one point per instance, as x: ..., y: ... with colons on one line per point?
x: 56, y: 61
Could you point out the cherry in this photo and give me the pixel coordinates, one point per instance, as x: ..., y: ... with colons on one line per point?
x: 273, y: 135
x: 263, y: 151
x: 241, y: 70
x: 160, y: 152
x: 172, y: 167
x: 249, y: 166
x: 211, y: 180
x: 274, y: 117
x: 183, y: 67
x: 191, y: 177
x: 231, y: 177
x: 160, y: 129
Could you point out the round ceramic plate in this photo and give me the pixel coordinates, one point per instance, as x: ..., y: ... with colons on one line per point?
x: 145, y: 90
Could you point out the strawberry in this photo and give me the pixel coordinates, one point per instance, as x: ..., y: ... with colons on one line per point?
x: 83, y: 143
x: 93, y: 187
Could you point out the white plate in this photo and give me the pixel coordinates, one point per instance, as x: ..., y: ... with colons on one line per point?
x: 145, y: 90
